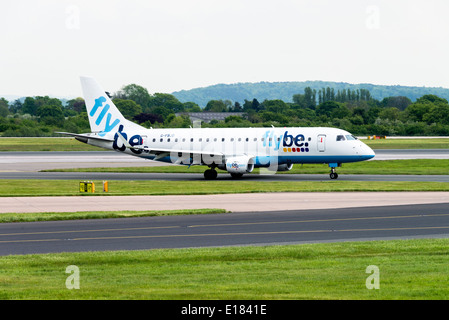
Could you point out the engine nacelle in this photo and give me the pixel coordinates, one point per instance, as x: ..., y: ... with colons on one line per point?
x: 281, y: 167
x: 285, y: 167
x: 241, y: 164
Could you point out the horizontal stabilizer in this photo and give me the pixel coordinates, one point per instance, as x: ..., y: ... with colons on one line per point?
x: 85, y: 136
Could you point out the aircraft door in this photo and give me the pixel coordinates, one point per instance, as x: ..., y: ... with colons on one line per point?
x: 321, y: 143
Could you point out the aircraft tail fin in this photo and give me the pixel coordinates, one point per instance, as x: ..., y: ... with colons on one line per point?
x: 104, y: 116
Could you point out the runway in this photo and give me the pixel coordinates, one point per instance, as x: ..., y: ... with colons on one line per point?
x: 234, y: 229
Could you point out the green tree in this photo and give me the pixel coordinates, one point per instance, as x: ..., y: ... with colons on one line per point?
x: 340, y: 112
x: 136, y: 93
x: 438, y: 113
x: 166, y: 100
x: 173, y: 121
x: 391, y: 113
x: 216, y: 106
x: 191, y: 107
x: 162, y: 111
x: 16, y: 107
x: 276, y: 106
x: 326, y: 108
x: 50, y: 114
x: 78, y: 105
x: 399, y: 102
x: 432, y: 99
x: 129, y: 108
x: 29, y: 106
x: 310, y: 97
x: 417, y: 110
x: 4, y: 108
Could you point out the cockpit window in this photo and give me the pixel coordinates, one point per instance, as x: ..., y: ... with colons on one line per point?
x: 341, y: 138
x: 350, y: 137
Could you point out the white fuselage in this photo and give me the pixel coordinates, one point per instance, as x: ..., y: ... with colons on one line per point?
x: 266, y: 146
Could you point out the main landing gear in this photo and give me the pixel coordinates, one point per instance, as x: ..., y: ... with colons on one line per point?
x: 210, y: 174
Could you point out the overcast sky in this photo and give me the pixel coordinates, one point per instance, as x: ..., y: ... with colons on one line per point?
x: 170, y: 45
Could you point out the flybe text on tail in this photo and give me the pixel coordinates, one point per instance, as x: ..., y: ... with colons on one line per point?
x: 108, y: 126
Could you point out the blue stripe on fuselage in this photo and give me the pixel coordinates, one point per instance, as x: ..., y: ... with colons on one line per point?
x: 264, y: 161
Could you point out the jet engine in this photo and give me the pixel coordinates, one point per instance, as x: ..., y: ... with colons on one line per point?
x: 239, y: 165
x: 281, y: 167
x: 285, y: 167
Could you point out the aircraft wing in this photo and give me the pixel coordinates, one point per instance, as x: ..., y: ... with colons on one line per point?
x: 84, y: 136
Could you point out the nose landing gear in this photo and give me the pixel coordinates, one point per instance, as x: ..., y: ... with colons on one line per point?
x: 334, y: 175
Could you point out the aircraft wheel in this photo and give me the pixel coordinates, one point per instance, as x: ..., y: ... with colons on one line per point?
x: 333, y: 175
x: 210, y: 174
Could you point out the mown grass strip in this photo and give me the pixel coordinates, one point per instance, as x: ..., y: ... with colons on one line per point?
x: 412, y: 143
x: 392, y: 167
x: 44, y: 144
x: 408, y: 269
x: 55, y: 216
x: 17, y: 188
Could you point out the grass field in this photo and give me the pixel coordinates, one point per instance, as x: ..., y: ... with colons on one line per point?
x: 415, y: 166
x: 15, y: 188
x: 70, y: 144
x: 419, y: 143
x: 408, y: 269
x: 55, y: 216
x: 44, y: 144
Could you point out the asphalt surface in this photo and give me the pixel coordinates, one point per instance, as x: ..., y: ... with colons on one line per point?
x: 221, y: 176
x: 232, y: 229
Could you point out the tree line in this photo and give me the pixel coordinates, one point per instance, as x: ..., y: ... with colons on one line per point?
x: 353, y: 110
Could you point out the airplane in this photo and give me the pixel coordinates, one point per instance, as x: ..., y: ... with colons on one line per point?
x: 235, y: 150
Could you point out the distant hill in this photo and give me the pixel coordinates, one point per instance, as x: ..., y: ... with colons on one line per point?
x: 285, y: 91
